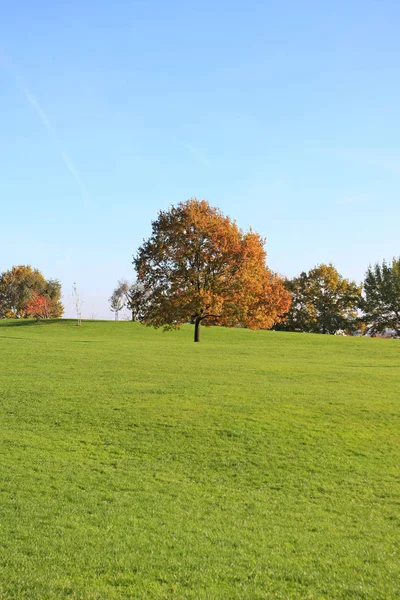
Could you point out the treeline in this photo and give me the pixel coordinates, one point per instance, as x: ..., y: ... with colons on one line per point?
x: 323, y: 301
x: 24, y: 293
x: 199, y: 267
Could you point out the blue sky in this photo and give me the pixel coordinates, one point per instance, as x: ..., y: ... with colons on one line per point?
x: 284, y: 114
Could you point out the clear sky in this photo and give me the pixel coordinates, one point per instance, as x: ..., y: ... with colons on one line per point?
x: 284, y: 114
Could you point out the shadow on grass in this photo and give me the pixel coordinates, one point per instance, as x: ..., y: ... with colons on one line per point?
x: 33, y: 322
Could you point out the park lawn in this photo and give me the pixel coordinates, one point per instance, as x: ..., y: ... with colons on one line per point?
x: 137, y: 464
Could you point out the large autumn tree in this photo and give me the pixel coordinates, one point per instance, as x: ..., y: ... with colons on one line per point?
x: 381, y: 302
x: 199, y: 267
x: 323, y: 301
x: 20, y: 286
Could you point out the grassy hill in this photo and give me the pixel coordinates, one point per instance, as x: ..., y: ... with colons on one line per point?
x: 137, y: 464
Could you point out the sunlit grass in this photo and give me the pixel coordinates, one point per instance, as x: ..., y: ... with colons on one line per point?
x: 137, y: 464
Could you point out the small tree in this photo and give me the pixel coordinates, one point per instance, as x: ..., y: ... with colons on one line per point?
x: 381, y: 301
x: 198, y: 266
x: 117, y: 302
x: 77, y: 300
x: 134, y: 298
x: 38, y: 307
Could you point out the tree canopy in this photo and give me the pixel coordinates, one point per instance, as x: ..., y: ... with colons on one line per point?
x: 381, y: 302
x: 322, y: 301
x: 199, y: 266
x: 24, y: 292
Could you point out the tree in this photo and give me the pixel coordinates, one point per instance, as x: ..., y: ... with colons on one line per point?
x: 77, y: 301
x: 117, y: 302
x: 135, y: 297
x: 198, y: 266
x: 39, y: 307
x: 322, y: 302
x: 381, y: 301
x: 20, y: 285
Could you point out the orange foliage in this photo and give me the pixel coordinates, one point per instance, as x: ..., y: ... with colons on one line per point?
x: 38, y: 307
x: 199, y: 266
x: 20, y: 285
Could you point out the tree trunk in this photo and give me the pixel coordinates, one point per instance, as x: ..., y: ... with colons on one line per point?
x: 197, y: 329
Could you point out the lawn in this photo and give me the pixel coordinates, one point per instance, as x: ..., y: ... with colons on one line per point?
x: 254, y: 465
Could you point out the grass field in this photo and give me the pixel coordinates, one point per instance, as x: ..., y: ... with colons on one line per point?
x: 137, y: 464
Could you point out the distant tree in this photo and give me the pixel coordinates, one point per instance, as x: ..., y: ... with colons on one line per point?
x: 198, y: 266
x: 134, y: 297
x: 117, y: 302
x: 20, y: 285
x: 40, y: 307
x: 323, y: 302
x: 381, y: 300
x: 77, y: 301
x: 52, y: 294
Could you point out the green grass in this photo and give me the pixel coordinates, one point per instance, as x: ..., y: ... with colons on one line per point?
x: 137, y: 464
